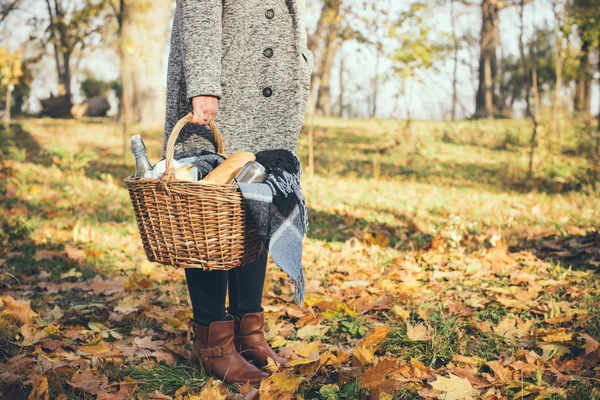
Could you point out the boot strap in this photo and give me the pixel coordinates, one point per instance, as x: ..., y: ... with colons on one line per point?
x: 211, y: 352
x: 249, y: 340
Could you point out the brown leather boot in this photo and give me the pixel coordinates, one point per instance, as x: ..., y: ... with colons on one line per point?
x: 250, y: 340
x: 214, y: 350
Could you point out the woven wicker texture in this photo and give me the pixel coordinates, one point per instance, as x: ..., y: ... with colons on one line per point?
x: 192, y: 224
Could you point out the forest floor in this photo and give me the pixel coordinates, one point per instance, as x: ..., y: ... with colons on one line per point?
x: 441, y: 277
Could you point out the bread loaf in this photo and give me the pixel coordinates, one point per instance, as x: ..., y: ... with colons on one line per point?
x: 225, y: 172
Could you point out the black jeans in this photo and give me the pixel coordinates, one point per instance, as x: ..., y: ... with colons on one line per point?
x: 209, y: 288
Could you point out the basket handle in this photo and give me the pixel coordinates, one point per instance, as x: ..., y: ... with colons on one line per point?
x: 169, y: 153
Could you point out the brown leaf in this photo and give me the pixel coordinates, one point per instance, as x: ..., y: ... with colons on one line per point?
x: 74, y: 254
x: 88, y: 381
x: 47, y: 254
x: 107, y: 287
x: 591, y: 345
x: 18, y: 310
x: 372, y: 377
x: 39, y: 388
x: 95, y: 349
x: 159, y: 396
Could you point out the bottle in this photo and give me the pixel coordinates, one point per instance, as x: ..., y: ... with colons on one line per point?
x: 252, y: 172
x: 142, y: 164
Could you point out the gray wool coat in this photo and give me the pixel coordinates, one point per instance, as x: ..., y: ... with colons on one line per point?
x: 252, y: 55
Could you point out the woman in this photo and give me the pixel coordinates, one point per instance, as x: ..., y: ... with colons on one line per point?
x: 244, y: 63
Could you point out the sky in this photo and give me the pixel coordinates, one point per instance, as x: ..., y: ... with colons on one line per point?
x: 428, y: 98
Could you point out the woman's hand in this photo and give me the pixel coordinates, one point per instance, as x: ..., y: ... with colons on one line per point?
x: 204, y: 108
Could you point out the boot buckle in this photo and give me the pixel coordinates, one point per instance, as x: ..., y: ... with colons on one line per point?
x: 216, y: 351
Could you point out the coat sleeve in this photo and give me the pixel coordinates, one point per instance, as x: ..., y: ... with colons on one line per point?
x: 201, y: 28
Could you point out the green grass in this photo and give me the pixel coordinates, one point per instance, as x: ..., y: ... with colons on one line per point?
x: 446, y: 335
x: 166, y: 378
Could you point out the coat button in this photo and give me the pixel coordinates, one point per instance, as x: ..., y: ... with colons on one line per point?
x: 267, y: 92
x: 268, y: 52
x: 270, y: 13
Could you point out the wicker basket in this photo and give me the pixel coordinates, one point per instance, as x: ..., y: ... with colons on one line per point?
x: 192, y: 224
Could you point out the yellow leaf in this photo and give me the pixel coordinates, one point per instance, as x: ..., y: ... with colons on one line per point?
x: 95, y: 349
x: 344, y: 307
x: 305, y: 349
x: 302, y: 361
x: 211, y: 391
x: 311, y: 300
x: 401, y: 312
x: 380, y: 239
x: 377, y: 336
x: 310, y: 331
x: 417, y: 333
x: 559, y: 335
x: 363, y: 354
x: 272, y: 365
x: 506, y: 328
x: 454, y: 388
x: 39, y: 388
x: 329, y: 358
x: 329, y: 314
x: 285, y: 382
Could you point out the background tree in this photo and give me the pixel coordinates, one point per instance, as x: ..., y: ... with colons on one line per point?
x: 485, y: 99
x: 70, y: 28
x: 143, y: 29
x: 10, y: 71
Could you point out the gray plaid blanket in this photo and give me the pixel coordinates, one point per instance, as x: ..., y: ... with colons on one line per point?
x: 279, y: 209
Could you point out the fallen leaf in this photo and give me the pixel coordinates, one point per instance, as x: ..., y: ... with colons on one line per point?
x: 374, y: 376
x: 453, y: 388
x: 591, y: 345
x: 376, y: 336
x: 363, y: 354
x: 506, y: 328
x: 212, y: 390
x: 19, y: 310
x: 310, y: 331
x: 559, y: 335
x: 47, y: 254
x: 74, y: 254
x: 418, y: 332
x: 107, y: 287
x: 95, y: 349
x: 88, y: 381
x: 39, y: 387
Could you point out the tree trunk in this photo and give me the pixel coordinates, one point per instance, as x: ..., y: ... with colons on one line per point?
x: 583, y: 87
x: 455, y: 71
x: 9, y: 89
x: 331, y: 46
x: 143, y: 35
x: 376, y: 83
x: 530, y: 89
x: 318, y: 44
x: 341, y: 98
x: 488, y: 69
x: 61, y: 105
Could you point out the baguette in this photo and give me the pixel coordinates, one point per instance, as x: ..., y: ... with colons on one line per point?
x: 225, y: 172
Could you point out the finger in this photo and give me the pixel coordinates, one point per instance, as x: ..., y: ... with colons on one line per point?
x: 205, y: 119
x: 198, y: 117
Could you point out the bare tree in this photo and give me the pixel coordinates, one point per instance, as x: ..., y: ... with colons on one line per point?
x: 488, y: 68
x: 531, y: 91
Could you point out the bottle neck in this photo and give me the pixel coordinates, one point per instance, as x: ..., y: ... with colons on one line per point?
x: 139, y: 154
